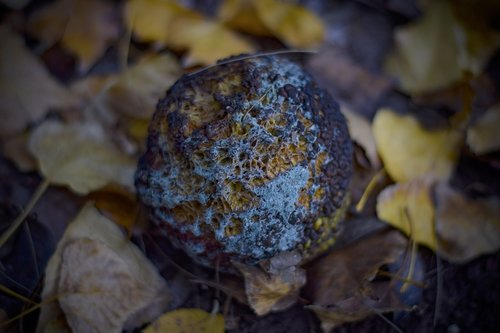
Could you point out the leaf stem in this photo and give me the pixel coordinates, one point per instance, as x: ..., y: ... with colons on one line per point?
x: 40, y: 190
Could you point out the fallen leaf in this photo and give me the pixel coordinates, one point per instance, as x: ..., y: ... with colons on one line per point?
x: 466, y: 227
x: 409, y: 208
x: 208, y: 42
x: 409, y: 151
x: 361, y: 131
x: 293, y: 24
x: 242, y: 15
x: 150, y: 20
x: 483, y: 137
x: 16, y: 149
x: 434, y: 51
x: 360, y: 89
x: 85, y: 27
x: 180, y: 28
x: 102, y: 282
x: 121, y: 208
x: 80, y: 156
x: 341, y: 285
x: 276, y: 286
x: 27, y: 91
x: 136, y: 91
x: 187, y: 320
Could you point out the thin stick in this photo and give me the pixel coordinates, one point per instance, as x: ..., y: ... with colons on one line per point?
x: 263, y: 54
x: 12, y: 293
x: 42, y: 187
x: 369, y: 189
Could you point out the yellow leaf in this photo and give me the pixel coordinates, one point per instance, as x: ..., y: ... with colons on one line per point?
x: 103, y: 282
x: 80, y: 156
x: 293, y: 24
x: 151, y: 20
x: 85, y: 27
x: 409, y: 151
x: 136, y: 91
x: 208, y: 42
x: 187, y: 320
x: 27, y: 91
x: 180, y: 28
x: 467, y: 227
x: 434, y: 51
x: 242, y: 15
x: 409, y: 208
x: 484, y: 136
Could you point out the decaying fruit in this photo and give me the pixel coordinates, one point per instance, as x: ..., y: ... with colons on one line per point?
x: 245, y: 160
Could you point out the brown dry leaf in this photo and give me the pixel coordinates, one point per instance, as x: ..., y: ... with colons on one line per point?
x: 103, y: 282
x: 85, y: 27
x: 276, y: 286
x: 171, y: 24
x: 341, y: 285
x: 355, y: 86
x: 434, y: 51
x: 80, y: 156
x: 293, y: 24
x: 484, y: 136
x: 408, y: 151
x: 409, y: 208
x: 466, y: 227
x: 242, y: 15
x: 187, y: 320
x: 27, y: 91
x: 136, y: 91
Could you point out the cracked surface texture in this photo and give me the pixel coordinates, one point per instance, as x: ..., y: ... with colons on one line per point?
x: 245, y: 160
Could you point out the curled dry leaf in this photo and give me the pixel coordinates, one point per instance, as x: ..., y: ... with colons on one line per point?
x: 102, y: 282
x: 80, y: 156
x: 341, y: 286
x: 434, y: 51
x: 466, y: 227
x: 85, y: 27
x: 187, y: 320
x: 484, y: 137
x: 27, y: 91
x: 409, y: 208
x: 276, y: 286
x: 168, y: 23
x: 408, y: 151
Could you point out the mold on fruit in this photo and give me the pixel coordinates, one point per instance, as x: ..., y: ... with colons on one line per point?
x: 245, y: 160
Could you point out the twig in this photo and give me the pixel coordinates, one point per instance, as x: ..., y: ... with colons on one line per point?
x: 42, y: 187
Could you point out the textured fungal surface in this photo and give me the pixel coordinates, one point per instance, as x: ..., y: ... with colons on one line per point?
x: 245, y: 160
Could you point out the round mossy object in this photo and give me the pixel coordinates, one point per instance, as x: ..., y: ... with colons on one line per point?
x: 245, y: 160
